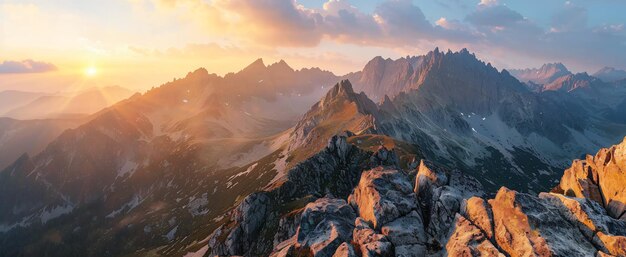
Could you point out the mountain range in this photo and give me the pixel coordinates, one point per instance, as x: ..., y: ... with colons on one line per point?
x: 34, y: 105
x: 610, y: 74
x: 397, y: 159
x: 31, y: 120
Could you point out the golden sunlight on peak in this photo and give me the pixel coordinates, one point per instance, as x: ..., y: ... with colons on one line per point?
x: 91, y: 71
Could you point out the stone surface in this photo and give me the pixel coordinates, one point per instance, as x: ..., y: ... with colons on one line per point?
x: 249, y: 216
x: 601, y: 178
x: 369, y: 241
x: 469, y: 240
x: 325, y: 224
x: 479, y: 212
x: 407, y: 235
x: 440, y: 195
x: 345, y: 250
x: 382, y: 196
x: 526, y: 225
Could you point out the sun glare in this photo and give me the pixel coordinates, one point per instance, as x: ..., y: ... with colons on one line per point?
x: 91, y: 71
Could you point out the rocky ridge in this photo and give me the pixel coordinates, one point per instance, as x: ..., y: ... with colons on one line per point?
x: 546, y: 74
x: 433, y: 211
x: 610, y: 74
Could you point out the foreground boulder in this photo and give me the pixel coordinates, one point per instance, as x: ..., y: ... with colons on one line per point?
x: 325, y: 224
x: 383, y: 195
x: 389, y: 220
x: 604, y: 232
x: 469, y: 240
x: 601, y: 178
x: 517, y: 224
x: 370, y: 242
x: 525, y: 224
x: 440, y: 193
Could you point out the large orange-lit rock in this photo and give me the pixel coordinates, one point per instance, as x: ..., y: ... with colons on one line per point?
x: 528, y: 226
x: 382, y: 196
x: 601, y: 178
x: 479, y: 212
x: 469, y: 240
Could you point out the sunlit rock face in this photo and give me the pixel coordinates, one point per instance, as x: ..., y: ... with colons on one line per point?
x: 600, y: 178
x: 383, y: 195
x: 575, y: 219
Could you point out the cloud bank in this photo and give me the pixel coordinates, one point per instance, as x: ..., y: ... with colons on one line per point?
x: 490, y: 26
x: 26, y: 66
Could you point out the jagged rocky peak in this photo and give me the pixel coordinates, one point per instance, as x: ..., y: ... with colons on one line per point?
x: 198, y: 72
x: 279, y: 69
x: 382, y: 77
x: 610, y: 74
x: 570, y: 82
x: 547, y: 73
x: 280, y: 66
x: 375, y: 62
x: 391, y: 219
x: 257, y: 64
x: 553, y: 68
x: 339, y: 110
x: 343, y: 89
x: 460, y: 80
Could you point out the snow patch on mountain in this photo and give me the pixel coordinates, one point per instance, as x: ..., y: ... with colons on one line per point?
x: 128, y: 167
x: 23, y: 223
x: 280, y: 165
x: 55, y: 212
x: 171, y: 234
x: 245, y: 172
x: 127, y: 206
x: 198, y: 253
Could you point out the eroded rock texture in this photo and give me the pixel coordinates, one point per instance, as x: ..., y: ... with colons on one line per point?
x: 601, y: 178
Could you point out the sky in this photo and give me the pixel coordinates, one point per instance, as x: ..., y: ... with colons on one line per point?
x: 67, y: 45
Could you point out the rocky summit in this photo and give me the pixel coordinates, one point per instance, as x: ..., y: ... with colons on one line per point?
x: 433, y: 211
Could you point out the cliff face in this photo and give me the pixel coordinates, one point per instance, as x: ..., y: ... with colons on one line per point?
x: 601, y: 178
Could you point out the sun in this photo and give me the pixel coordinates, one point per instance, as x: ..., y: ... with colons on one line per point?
x: 91, y: 71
